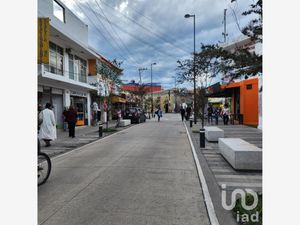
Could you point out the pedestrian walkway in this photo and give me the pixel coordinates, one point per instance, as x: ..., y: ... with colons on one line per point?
x: 84, y: 135
x: 218, y: 171
x: 143, y: 175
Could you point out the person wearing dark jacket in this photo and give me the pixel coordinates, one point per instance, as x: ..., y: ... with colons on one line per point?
x: 182, y: 112
x: 71, y: 118
x: 188, y: 112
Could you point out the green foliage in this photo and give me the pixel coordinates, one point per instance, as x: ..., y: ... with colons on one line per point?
x: 239, y: 210
x: 110, y: 72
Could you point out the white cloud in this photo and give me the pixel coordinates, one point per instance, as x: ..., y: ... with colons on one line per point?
x: 133, y: 19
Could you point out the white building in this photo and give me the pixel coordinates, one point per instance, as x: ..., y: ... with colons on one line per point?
x: 64, y: 80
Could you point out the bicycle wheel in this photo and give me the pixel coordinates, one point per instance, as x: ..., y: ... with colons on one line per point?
x: 44, y: 168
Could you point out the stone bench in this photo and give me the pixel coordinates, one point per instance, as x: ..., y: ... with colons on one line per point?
x: 213, y: 133
x: 124, y: 123
x: 241, y: 154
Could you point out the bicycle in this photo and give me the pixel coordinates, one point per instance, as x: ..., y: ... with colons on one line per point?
x: 44, y: 166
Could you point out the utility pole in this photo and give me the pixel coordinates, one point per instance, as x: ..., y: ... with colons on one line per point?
x: 151, y: 89
x: 141, y: 69
x: 224, y: 22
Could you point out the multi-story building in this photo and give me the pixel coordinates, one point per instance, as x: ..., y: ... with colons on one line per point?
x: 65, y: 62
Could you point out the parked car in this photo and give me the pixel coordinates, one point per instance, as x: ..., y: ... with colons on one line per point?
x: 135, y: 114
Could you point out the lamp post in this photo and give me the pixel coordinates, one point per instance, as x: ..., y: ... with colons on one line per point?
x: 188, y: 16
x: 151, y: 89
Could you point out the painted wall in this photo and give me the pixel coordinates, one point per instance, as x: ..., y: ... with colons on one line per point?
x: 249, y: 101
x: 80, y: 34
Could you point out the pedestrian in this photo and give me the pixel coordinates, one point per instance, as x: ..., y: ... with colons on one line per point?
x: 209, y: 113
x: 216, y: 113
x: 225, y: 114
x: 159, y: 114
x: 48, y: 125
x: 188, y: 112
x: 95, y: 109
x: 71, y: 118
x: 182, y: 112
x: 119, y: 117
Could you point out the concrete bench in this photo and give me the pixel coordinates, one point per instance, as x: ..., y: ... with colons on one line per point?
x: 213, y: 133
x: 241, y: 154
x: 124, y: 123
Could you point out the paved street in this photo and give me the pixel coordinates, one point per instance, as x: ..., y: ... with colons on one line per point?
x: 142, y: 175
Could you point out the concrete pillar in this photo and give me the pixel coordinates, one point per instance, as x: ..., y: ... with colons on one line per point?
x: 89, y: 108
x: 66, y: 98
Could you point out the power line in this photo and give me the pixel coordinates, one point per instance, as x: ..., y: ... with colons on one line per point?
x: 125, y: 47
x: 113, y: 38
x: 139, y: 39
x: 121, y: 56
x: 145, y: 28
x: 150, y: 20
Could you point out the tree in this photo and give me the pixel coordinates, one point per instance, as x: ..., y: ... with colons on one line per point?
x: 140, y: 92
x: 254, y: 28
x: 207, y: 66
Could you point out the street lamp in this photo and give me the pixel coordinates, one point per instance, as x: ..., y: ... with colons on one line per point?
x: 188, y: 16
x: 151, y: 89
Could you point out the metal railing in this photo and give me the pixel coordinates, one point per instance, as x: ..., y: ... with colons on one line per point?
x: 72, y: 75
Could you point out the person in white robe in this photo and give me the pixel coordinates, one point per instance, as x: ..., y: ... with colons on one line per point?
x: 47, y: 130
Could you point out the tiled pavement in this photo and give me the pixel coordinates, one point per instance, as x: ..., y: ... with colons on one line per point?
x: 218, y: 171
x: 223, y: 172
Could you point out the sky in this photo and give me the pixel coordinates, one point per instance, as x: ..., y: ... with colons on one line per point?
x: 141, y: 32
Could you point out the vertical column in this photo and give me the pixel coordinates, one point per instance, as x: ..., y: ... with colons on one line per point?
x: 66, y: 98
x: 89, y: 108
x: 66, y: 64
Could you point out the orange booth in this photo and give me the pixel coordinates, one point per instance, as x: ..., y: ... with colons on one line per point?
x: 244, y: 98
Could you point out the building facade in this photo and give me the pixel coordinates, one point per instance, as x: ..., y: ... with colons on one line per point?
x: 67, y: 66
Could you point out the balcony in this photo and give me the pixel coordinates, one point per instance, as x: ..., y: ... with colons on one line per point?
x: 45, y: 75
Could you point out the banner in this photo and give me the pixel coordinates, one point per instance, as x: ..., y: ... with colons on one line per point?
x: 43, y: 40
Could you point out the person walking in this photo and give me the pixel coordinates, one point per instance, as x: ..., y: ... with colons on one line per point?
x: 119, y: 117
x: 48, y: 125
x: 225, y: 114
x: 182, y: 112
x: 159, y: 114
x: 209, y: 113
x: 71, y: 118
x: 216, y: 114
x: 188, y: 112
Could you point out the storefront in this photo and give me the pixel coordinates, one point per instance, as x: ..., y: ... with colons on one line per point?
x: 243, y: 97
x: 80, y: 102
x: 55, y: 97
x: 118, y: 102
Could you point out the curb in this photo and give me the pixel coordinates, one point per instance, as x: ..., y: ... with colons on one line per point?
x: 91, y: 143
x: 207, y: 199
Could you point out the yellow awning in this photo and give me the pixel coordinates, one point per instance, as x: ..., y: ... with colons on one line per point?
x: 116, y: 99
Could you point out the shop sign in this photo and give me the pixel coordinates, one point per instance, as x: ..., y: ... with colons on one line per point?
x: 43, y: 40
x: 79, y: 94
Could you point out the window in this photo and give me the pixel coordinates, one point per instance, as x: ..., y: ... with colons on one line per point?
x: 58, y: 11
x: 249, y: 86
x: 71, y: 67
x: 56, y: 59
x: 82, y: 72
